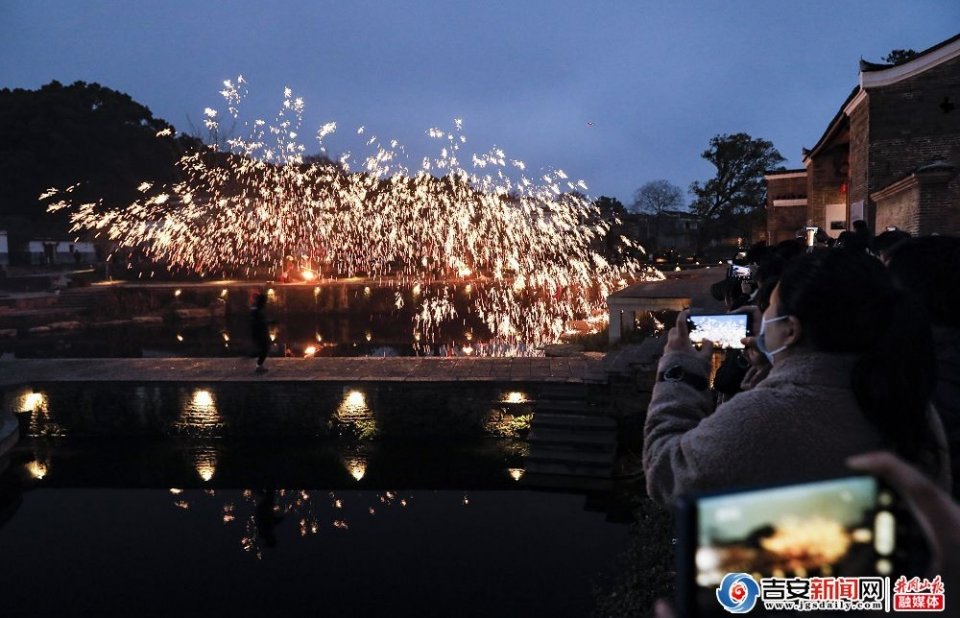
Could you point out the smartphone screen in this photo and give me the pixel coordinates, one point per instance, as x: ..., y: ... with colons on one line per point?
x: 738, y: 272
x: 725, y: 329
x: 837, y: 528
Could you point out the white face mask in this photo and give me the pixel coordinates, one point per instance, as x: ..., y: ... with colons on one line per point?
x: 762, y: 342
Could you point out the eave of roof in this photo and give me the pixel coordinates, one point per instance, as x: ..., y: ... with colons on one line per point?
x: 869, y: 67
x: 833, y: 128
x: 921, y: 62
x: 873, y: 75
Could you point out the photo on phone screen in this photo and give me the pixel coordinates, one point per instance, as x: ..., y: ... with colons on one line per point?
x: 724, y: 330
x: 835, y: 528
x: 738, y: 272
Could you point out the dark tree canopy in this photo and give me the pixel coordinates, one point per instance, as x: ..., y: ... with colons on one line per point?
x: 59, y: 136
x: 899, y: 56
x: 738, y: 186
x: 657, y: 196
x: 610, y: 207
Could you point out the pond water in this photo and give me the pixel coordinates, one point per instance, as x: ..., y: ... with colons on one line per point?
x: 186, y: 527
x: 293, y: 335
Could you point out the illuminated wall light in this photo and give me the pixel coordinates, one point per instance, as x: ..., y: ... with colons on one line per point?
x: 319, y: 337
x: 226, y: 336
x: 366, y: 290
x: 515, y: 397
x: 203, y: 399
x: 33, y: 402
x: 179, y: 337
x: 176, y: 491
x: 516, y: 473
x: 416, y: 336
x: 468, y: 289
x: 273, y: 334
x: 469, y: 335
x: 316, y: 291
x: 310, y: 350
x: 368, y: 336
x: 271, y: 293
x: 206, y: 471
x: 223, y: 293
x: 355, y: 399
x: 177, y: 293
x: 37, y: 469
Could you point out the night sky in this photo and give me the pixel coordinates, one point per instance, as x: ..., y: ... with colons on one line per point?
x: 614, y: 93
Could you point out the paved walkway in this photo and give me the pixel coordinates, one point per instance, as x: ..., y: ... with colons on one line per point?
x: 396, y: 369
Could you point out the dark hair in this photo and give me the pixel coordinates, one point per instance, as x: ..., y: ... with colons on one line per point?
x: 757, y: 252
x: 930, y: 268
x: 768, y: 275
x: 847, y: 304
x: 885, y: 240
x: 788, y: 249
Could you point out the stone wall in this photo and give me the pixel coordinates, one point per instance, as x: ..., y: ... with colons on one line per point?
x: 899, y: 210
x: 825, y: 177
x: 270, y: 409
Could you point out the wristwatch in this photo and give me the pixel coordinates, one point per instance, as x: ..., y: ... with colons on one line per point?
x: 676, y: 373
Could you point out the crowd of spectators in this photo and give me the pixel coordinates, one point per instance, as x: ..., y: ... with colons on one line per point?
x: 855, y: 348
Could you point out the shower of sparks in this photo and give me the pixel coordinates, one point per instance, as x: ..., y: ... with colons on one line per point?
x: 259, y: 203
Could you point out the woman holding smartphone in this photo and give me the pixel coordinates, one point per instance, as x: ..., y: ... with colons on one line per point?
x: 852, y: 371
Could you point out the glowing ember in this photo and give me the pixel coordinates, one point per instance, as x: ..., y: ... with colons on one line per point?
x: 247, y: 210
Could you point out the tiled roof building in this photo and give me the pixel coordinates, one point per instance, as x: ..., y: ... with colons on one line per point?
x: 891, y: 155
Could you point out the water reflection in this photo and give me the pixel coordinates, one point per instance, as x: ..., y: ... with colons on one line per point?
x: 205, y: 462
x: 356, y: 466
x: 257, y: 515
x: 40, y: 423
x: 38, y: 469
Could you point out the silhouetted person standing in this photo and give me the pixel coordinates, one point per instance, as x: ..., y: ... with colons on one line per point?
x: 259, y: 330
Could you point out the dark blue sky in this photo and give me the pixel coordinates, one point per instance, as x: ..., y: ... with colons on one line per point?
x: 656, y: 79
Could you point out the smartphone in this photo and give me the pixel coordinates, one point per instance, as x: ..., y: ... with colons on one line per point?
x: 723, y: 329
x: 853, y: 526
x: 738, y: 272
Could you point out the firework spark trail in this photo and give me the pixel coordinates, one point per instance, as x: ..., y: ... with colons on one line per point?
x: 247, y: 208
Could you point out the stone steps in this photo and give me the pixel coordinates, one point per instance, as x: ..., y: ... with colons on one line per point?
x: 570, y: 440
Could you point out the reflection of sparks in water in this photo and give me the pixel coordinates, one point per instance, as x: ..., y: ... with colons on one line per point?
x: 295, y: 505
x: 450, y: 216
